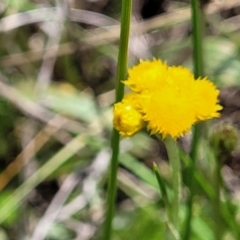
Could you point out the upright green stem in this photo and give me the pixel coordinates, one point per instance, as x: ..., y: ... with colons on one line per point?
x: 197, y: 39
x: 174, y: 159
x: 162, y: 187
x: 123, y: 48
x: 217, y: 204
x: 121, y: 75
x: 192, y: 168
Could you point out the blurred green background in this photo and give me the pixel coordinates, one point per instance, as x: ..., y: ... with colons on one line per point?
x: 57, y: 79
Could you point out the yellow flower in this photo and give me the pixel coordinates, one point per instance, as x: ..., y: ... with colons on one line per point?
x: 168, y: 111
x: 146, y: 75
x: 127, y: 119
x: 206, y: 100
x: 180, y: 78
x: 168, y: 99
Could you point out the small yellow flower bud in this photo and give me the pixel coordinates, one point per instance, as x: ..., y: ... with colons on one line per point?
x: 127, y: 119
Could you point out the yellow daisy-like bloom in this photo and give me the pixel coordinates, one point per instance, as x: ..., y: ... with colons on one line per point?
x: 146, y: 76
x: 127, y: 119
x: 180, y: 77
x: 168, y: 111
x: 168, y: 99
x: 206, y: 100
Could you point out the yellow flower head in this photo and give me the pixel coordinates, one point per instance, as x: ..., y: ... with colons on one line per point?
x: 180, y: 77
x: 206, y: 100
x: 168, y: 99
x: 168, y: 111
x: 127, y: 119
x: 146, y: 75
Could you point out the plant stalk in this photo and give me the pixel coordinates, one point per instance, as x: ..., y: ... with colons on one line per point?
x: 173, y: 155
x: 197, y: 41
x: 115, y: 141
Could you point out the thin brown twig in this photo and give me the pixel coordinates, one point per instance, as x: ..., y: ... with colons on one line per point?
x: 30, y: 150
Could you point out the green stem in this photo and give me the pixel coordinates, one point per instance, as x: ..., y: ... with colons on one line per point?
x: 167, y: 205
x: 197, y: 39
x: 217, y: 214
x: 192, y: 182
x: 121, y: 75
x: 162, y: 187
x: 218, y: 210
x: 174, y: 159
x: 123, y: 48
